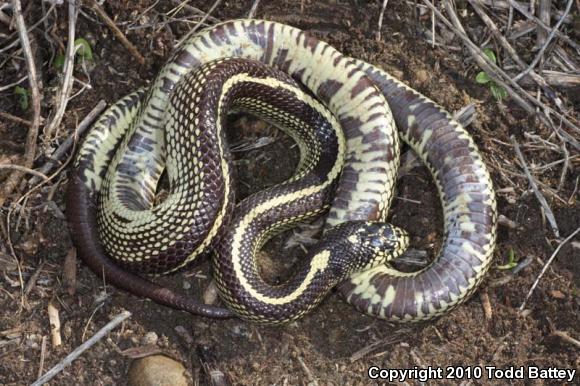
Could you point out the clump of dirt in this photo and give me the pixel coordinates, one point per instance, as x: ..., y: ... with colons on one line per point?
x: 333, y: 345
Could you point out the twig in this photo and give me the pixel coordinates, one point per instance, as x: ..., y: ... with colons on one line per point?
x: 10, y: 85
x: 522, y: 9
x: 69, y: 274
x: 546, y: 43
x: 534, y: 185
x: 544, y: 15
x: 15, y: 119
x: 15, y: 42
x: 42, y: 356
x: 64, y: 92
x: 381, y: 15
x: 498, y: 75
x: 82, y: 348
x: 32, y: 281
x: 566, y: 337
x: 545, y: 268
x: 200, y: 23
x: 252, y: 12
x: 311, y: 378
x: 4, y: 18
x: 24, y: 169
x: 486, y: 304
x: 504, y: 42
x: 54, y: 320
x: 183, y: 4
x: 510, y: 20
x: 482, y: 60
x: 466, y: 115
x: 30, y: 149
x: 66, y: 145
x: 209, y: 364
x: 111, y: 24
x: 361, y: 353
x: 503, y: 220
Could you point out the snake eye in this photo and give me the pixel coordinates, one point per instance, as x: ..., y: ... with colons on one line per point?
x: 377, y: 242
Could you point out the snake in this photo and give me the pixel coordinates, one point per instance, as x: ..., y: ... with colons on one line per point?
x: 347, y: 117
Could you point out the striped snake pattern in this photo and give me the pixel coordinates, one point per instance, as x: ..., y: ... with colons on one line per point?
x: 120, y: 233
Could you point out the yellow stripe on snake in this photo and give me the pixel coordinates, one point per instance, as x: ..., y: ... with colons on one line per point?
x: 343, y: 114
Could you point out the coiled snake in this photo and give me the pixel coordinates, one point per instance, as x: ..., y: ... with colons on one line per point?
x: 175, y: 125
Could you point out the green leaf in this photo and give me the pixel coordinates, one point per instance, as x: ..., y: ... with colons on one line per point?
x: 498, y: 92
x: 22, y: 94
x: 490, y: 54
x: 58, y: 62
x: 482, y: 78
x: 83, y: 49
x: 512, y: 261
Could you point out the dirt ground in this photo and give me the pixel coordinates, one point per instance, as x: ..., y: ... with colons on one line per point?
x: 334, y: 345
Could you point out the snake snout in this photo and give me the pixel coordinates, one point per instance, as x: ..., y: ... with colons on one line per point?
x: 384, y: 238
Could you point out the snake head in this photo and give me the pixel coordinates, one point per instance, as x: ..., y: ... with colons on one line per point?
x: 360, y: 245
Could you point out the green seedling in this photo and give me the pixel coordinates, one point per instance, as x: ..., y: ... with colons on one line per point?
x: 482, y: 78
x: 58, y: 62
x: 512, y: 261
x: 82, y: 49
x: 22, y: 94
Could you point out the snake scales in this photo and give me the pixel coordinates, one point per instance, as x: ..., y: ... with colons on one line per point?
x: 125, y: 153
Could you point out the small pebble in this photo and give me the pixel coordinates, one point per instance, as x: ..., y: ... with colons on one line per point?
x: 150, y: 338
x: 210, y: 295
x: 157, y: 370
x: 421, y: 76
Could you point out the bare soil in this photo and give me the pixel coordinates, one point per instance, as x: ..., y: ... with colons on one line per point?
x: 324, y: 346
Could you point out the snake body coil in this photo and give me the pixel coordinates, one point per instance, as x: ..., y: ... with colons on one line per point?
x: 123, y: 157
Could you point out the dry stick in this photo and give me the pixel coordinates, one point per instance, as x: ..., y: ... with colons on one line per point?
x: 476, y: 4
x: 111, y: 24
x: 82, y: 348
x: 11, y: 85
x: 4, y: 18
x: 42, y: 356
x: 390, y: 340
x: 432, y: 29
x: 486, y: 305
x: 482, y: 60
x: 30, y: 149
x: 381, y: 15
x: 32, y: 281
x: 521, y: 9
x: 546, y: 43
x: 510, y: 20
x: 209, y: 365
x: 8, y: 222
x: 556, y: 79
x: 66, y: 145
x: 534, y: 185
x: 15, y: 42
x: 307, y: 371
x: 496, y: 73
x: 15, y: 119
x: 23, y: 169
x: 565, y: 166
x: 252, y: 12
x: 545, y: 268
x: 64, y: 92
x: 544, y: 15
x: 54, y: 320
x: 566, y: 337
x: 200, y: 23
x: 191, y: 8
